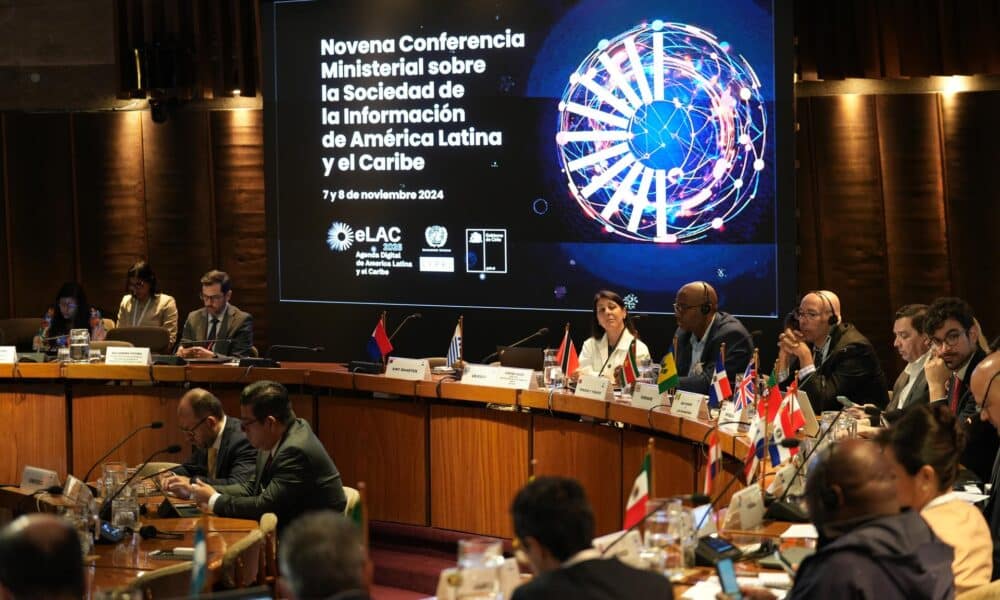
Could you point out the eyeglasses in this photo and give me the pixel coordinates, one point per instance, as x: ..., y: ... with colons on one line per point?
x: 811, y: 315
x: 986, y: 394
x: 67, y: 304
x: 244, y: 423
x: 187, y: 431
x: 138, y: 283
x: 679, y: 308
x: 212, y: 298
x: 950, y: 339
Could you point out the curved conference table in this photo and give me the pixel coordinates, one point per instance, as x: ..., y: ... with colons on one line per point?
x: 432, y: 453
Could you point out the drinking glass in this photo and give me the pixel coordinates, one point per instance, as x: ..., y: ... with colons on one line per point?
x: 479, y: 560
x: 670, y: 538
x: 551, y: 369
x: 125, y: 510
x: 113, y: 475
x: 79, y: 345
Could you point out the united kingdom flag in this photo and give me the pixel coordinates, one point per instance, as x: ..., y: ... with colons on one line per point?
x: 744, y: 393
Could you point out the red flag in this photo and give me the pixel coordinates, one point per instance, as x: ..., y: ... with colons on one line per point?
x: 713, y: 461
x: 568, y: 361
x: 379, y: 344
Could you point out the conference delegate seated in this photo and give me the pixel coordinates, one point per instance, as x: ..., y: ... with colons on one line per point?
x: 144, y: 305
x: 219, y: 327
x: 70, y: 311
x: 923, y: 447
x: 611, y: 336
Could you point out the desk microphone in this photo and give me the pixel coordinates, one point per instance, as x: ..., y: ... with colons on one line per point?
x: 153, y: 425
x: 269, y: 363
x: 403, y: 322
x: 149, y: 532
x: 540, y: 332
x: 105, y: 510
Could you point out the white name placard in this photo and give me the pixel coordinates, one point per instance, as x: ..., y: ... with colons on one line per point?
x: 629, y: 550
x: 8, y: 354
x: 746, y: 510
x: 730, y: 417
x: 412, y: 369
x: 594, y: 387
x: 647, y: 395
x: 504, y: 377
x: 690, y: 405
x: 117, y: 355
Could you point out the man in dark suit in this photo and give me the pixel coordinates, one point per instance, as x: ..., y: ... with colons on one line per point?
x: 218, y: 320
x: 220, y: 453
x: 914, y: 347
x: 702, y: 329
x: 294, y: 474
x: 954, y: 335
x: 986, y: 391
x: 831, y: 358
x: 554, y: 524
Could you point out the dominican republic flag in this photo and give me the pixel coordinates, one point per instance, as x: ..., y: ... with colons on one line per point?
x: 714, y: 457
x: 720, y: 390
x: 455, y: 347
x: 668, y: 378
x: 569, y: 362
x: 379, y: 344
x: 635, y: 511
x: 630, y: 368
x: 744, y: 392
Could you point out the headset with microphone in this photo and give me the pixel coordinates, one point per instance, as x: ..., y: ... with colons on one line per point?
x: 834, y: 317
x: 706, y: 303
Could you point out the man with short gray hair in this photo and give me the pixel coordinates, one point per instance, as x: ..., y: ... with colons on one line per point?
x: 321, y: 556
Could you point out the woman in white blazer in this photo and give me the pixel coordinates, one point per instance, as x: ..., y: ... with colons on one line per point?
x: 611, y: 335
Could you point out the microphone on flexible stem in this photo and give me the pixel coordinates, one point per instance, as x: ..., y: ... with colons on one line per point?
x: 105, y: 511
x: 153, y: 425
x: 783, y: 510
x: 148, y: 532
x: 694, y: 499
x: 267, y: 362
x: 403, y: 322
x: 540, y: 332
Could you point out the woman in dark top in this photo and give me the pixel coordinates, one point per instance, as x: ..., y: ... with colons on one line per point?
x: 71, y: 311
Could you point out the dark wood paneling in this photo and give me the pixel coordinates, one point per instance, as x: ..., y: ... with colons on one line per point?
x: 111, y: 200
x: 238, y: 183
x: 384, y: 444
x: 6, y: 291
x: 42, y: 225
x: 32, y: 430
x: 805, y: 196
x: 673, y: 463
x: 589, y: 453
x: 178, y: 204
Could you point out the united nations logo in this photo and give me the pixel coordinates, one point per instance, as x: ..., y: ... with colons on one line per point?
x: 436, y: 236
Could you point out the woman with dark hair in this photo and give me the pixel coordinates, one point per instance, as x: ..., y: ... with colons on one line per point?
x: 924, y: 446
x: 143, y: 305
x: 611, y: 335
x: 70, y: 311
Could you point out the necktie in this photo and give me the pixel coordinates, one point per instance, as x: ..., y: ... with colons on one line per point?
x: 213, y: 457
x: 213, y: 331
x: 956, y: 392
x: 260, y: 478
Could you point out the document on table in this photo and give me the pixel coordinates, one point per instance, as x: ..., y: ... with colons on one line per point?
x: 804, y: 530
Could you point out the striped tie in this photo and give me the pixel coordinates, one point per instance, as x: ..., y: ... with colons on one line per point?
x: 956, y: 392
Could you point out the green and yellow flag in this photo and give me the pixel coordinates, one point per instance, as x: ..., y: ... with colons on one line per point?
x: 668, y: 378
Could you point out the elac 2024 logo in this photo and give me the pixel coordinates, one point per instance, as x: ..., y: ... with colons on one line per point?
x: 342, y: 236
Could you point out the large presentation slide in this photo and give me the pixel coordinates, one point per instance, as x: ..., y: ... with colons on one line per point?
x: 522, y: 154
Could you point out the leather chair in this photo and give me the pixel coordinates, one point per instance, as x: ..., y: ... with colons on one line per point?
x: 353, y: 497
x: 241, y: 562
x: 269, y: 557
x: 157, y: 339
x: 168, y: 582
x: 20, y: 331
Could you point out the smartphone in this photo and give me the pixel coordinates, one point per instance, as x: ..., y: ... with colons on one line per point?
x: 727, y: 579
x: 846, y: 402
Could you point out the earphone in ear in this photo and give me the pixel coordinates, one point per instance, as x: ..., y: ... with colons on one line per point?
x: 706, y: 303
x: 834, y: 318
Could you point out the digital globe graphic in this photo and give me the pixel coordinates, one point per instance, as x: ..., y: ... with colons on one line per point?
x: 661, y: 133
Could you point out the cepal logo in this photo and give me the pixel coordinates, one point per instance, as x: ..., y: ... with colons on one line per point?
x: 342, y: 236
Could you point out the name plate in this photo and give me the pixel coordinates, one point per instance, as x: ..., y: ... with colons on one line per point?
x: 690, y: 405
x: 730, y: 417
x: 117, y: 355
x: 411, y: 369
x: 629, y: 550
x: 783, y: 478
x: 746, y: 509
x: 503, y: 377
x: 594, y: 387
x: 647, y: 395
x: 8, y: 354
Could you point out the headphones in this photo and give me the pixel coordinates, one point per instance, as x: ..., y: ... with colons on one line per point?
x: 834, y: 318
x: 706, y: 303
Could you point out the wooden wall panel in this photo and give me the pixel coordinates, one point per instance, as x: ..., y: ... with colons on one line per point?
x: 179, y: 211
x: 111, y: 200
x: 479, y: 459
x: 384, y: 444
x: 6, y: 290
x: 589, y: 453
x: 32, y: 430
x: 806, y: 193
x: 673, y: 465
x: 970, y: 127
x: 238, y: 182
x: 41, y: 219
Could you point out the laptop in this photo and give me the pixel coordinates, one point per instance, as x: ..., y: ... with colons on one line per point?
x: 523, y: 358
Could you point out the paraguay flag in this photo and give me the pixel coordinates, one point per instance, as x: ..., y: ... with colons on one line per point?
x: 379, y: 344
x: 720, y: 390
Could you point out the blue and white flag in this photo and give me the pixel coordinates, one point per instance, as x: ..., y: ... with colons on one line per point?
x: 455, y: 348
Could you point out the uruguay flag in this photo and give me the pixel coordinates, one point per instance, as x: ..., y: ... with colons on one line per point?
x: 720, y: 390
x: 455, y: 347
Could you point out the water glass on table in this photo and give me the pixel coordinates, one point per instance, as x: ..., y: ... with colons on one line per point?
x: 551, y: 369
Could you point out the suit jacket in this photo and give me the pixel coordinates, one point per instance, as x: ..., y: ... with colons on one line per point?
x: 739, y: 350
x: 594, y: 354
x: 235, y: 462
x: 161, y: 312
x: 981, y: 441
x: 236, y: 326
x: 301, y: 478
x: 850, y: 369
x: 597, y: 579
x: 919, y: 393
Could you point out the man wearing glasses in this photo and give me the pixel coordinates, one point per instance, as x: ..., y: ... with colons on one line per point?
x: 954, y: 336
x: 986, y: 390
x: 832, y: 358
x: 220, y: 453
x: 701, y: 330
x: 220, y: 328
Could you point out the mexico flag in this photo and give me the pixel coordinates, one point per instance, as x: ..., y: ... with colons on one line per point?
x: 636, y: 508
